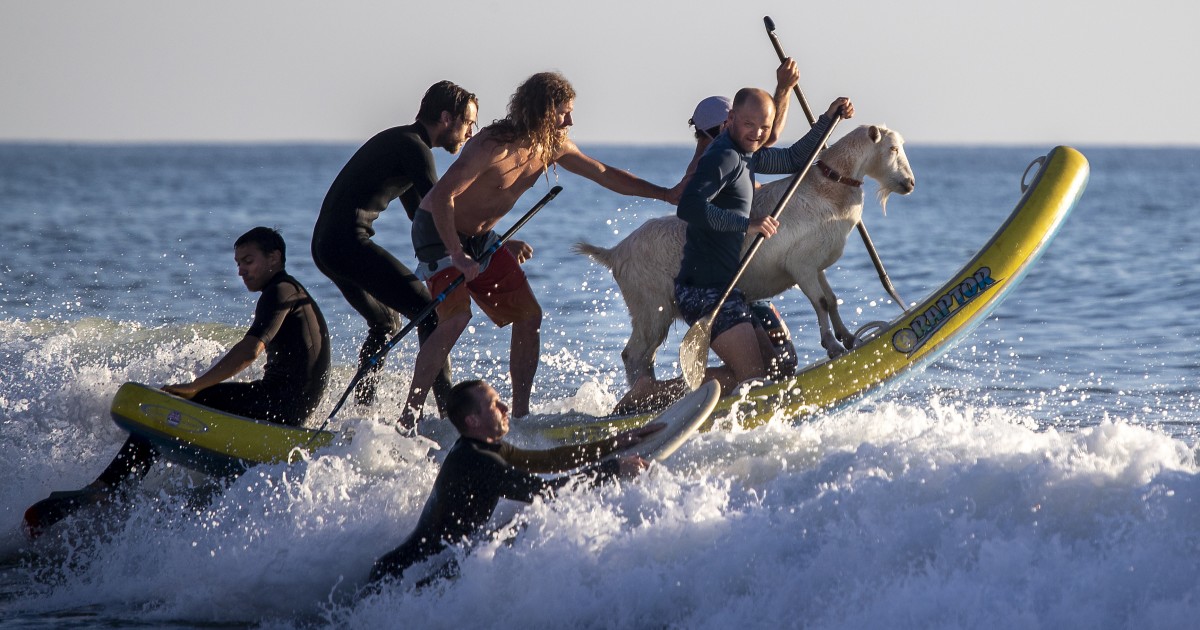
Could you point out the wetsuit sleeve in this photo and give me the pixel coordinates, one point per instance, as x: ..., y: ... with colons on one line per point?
x: 714, y: 171
x: 562, y: 458
x: 511, y: 482
x: 411, y: 201
x: 271, y: 311
x: 519, y: 485
x: 790, y: 160
x: 416, y: 161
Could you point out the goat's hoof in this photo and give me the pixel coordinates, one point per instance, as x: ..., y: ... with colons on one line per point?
x: 835, y: 350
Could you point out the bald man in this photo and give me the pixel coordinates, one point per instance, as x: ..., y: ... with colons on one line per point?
x: 716, y: 206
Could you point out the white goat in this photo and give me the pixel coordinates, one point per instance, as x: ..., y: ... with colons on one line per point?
x: 812, y: 235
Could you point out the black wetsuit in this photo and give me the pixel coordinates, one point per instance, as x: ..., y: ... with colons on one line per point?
x: 396, y: 163
x: 291, y: 326
x: 471, y: 482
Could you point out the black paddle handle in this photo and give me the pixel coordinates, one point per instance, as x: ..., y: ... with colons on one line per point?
x: 862, y: 228
x: 770, y: 24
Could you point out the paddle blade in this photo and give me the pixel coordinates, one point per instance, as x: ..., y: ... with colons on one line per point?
x: 693, y: 353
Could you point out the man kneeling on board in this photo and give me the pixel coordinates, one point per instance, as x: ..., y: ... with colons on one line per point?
x: 481, y: 468
x: 287, y: 325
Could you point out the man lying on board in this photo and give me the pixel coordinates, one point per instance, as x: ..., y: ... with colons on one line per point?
x: 287, y: 325
x: 480, y: 468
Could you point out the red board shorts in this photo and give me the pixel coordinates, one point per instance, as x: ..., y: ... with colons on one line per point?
x: 501, y: 291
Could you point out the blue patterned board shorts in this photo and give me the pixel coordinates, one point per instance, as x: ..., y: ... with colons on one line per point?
x: 697, y: 302
x: 765, y: 314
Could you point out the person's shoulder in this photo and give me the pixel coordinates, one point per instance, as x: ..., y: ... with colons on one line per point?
x: 485, y: 148
x: 401, y: 137
x: 471, y: 454
x: 721, y: 153
x: 488, y: 140
x: 568, y: 147
x: 284, y: 288
x: 724, y: 143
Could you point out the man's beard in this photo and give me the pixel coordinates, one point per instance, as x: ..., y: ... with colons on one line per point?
x: 450, y: 143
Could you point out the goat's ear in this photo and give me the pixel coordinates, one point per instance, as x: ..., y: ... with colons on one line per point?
x: 874, y: 133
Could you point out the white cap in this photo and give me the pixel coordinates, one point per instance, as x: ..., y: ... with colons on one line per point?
x: 711, y: 112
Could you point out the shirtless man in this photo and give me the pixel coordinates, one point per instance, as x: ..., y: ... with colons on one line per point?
x: 454, y: 224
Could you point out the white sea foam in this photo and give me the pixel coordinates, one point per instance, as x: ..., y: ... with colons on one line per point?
x: 912, y: 515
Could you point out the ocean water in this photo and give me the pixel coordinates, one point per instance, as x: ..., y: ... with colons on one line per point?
x: 1042, y: 474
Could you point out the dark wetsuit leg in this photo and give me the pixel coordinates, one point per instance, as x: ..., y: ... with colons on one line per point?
x: 785, y: 360
x: 254, y: 400
x: 395, y: 562
x: 378, y: 286
x: 132, y: 462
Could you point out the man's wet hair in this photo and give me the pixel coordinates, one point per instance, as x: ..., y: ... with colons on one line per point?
x: 444, y: 96
x: 267, y: 239
x: 532, y: 115
x: 461, y: 402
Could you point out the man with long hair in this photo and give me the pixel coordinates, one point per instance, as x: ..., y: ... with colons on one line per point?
x: 454, y: 225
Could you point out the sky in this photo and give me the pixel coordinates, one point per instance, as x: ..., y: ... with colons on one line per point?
x: 939, y: 71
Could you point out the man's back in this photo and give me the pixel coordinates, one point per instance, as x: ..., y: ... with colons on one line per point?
x: 396, y: 162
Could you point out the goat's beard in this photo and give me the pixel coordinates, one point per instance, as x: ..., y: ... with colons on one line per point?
x: 882, y: 195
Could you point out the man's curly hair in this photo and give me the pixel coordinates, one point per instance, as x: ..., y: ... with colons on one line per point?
x: 531, y: 115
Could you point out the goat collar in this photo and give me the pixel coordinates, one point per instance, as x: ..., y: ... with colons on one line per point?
x: 836, y: 176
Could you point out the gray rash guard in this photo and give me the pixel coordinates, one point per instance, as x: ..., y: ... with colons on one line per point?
x: 716, y: 203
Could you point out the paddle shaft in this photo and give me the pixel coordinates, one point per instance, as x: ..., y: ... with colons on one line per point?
x: 432, y: 306
x: 862, y: 227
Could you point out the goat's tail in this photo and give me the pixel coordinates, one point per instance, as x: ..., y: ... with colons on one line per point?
x: 601, y: 255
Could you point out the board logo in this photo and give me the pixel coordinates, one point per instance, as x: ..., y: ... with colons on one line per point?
x: 173, y: 418
x: 921, y: 328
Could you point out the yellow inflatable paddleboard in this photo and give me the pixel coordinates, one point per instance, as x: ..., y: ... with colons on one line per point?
x: 924, y: 331
x: 206, y: 439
